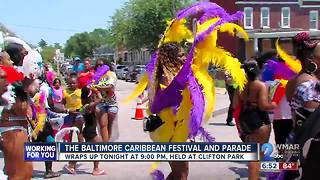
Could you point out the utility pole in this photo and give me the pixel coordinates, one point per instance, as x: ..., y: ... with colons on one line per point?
x: 173, y: 7
x: 1, y: 41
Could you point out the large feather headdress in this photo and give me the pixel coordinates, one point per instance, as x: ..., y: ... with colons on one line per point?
x: 203, y: 52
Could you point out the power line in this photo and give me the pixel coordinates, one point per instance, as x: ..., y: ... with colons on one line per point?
x: 47, y: 28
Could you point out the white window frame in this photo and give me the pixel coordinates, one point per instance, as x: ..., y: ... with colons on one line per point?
x: 289, y: 18
x: 245, y: 18
x: 261, y: 18
x: 317, y: 20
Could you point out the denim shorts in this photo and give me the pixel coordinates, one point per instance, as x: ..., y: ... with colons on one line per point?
x: 71, y: 119
x: 107, y: 108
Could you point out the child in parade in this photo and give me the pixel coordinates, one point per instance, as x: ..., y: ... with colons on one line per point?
x: 42, y: 130
x: 56, y: 96
x: 90, y: 98
x: 72, y: 100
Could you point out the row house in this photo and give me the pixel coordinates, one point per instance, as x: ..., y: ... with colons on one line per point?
x: 267, y: 20
x: 138, y: 57
x: 133, y: 57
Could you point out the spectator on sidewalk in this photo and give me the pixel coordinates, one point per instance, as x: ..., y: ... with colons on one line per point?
x: 78, y: 67
x: 231, y: 87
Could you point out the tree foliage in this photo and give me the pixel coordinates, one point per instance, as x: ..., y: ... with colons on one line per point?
x: 140, y: 23
x: 48, y: 53
x: 57, y: 45
x: 42, y: 43
x: 84, y: 44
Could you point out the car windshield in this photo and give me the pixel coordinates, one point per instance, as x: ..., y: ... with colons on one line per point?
x: 140, y: 70
x: 120, y: 67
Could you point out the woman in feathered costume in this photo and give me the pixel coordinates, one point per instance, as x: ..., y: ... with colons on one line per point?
x: 13, y: 124
x: 181, y: 91
x: 276, y: 74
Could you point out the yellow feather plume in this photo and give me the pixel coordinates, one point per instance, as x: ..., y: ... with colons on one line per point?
x: 232, y: 28
x: 294, y: 64
x: 176, y: 31
x: 39, y: 125
x: 283, y: 82
x: 40, y: 120
x: 185, y: 106
x: 223, y: 59
x: 139, y: 89
x: 210, y: 40
x: 154, y: 166
x: 207, y: 83
x: 207, y: 51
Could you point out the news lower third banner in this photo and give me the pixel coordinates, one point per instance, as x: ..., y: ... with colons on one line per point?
x: 141, y: 151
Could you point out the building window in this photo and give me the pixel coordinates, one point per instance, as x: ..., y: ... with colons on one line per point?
x: 285, y: 17
x: 313, y: 19
x: 265, y: 17
x: 248, y: 18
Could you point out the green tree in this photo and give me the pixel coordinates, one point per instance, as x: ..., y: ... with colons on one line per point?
x: 48, y: 53
x: 42, y: 43
x: 57, y: 46
x: 84, y: 44
x: 140, y: 23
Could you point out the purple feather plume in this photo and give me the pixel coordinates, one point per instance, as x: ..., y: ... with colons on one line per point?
x: 205, y: 135
x: 281, y: 175
x: 151, y: 65
x: 238, y: 15
x: 268, y: 73
x: 100, y: 72
x: 276, y: 175
x: 276, y: 70
x: 196, y: 8
x: 272, y: 175
x: 197, y: 110
x: 171, y: 96
x: 221, y: 14
x: 157, y: 175
x: 209, y: 10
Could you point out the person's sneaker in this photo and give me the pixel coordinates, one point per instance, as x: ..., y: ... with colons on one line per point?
x: 230, y: 124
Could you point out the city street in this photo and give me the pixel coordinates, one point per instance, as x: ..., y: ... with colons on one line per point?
x: 131, y: 131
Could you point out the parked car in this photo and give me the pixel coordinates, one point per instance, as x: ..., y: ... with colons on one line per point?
x: 133, y: 71
x: 140, y: 71
x: 122, y: 73
x: 68, y: 69
x: 118, y: 70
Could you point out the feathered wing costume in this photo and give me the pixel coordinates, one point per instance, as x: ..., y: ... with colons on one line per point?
x: 192, y: 89
x: 101, y: 78
x: 280, y: 73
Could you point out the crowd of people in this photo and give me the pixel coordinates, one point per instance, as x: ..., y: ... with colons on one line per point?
x: 36, y: 109
x: 296, y: 104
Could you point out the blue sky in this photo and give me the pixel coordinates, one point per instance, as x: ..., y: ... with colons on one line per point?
x: 56, y: 20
